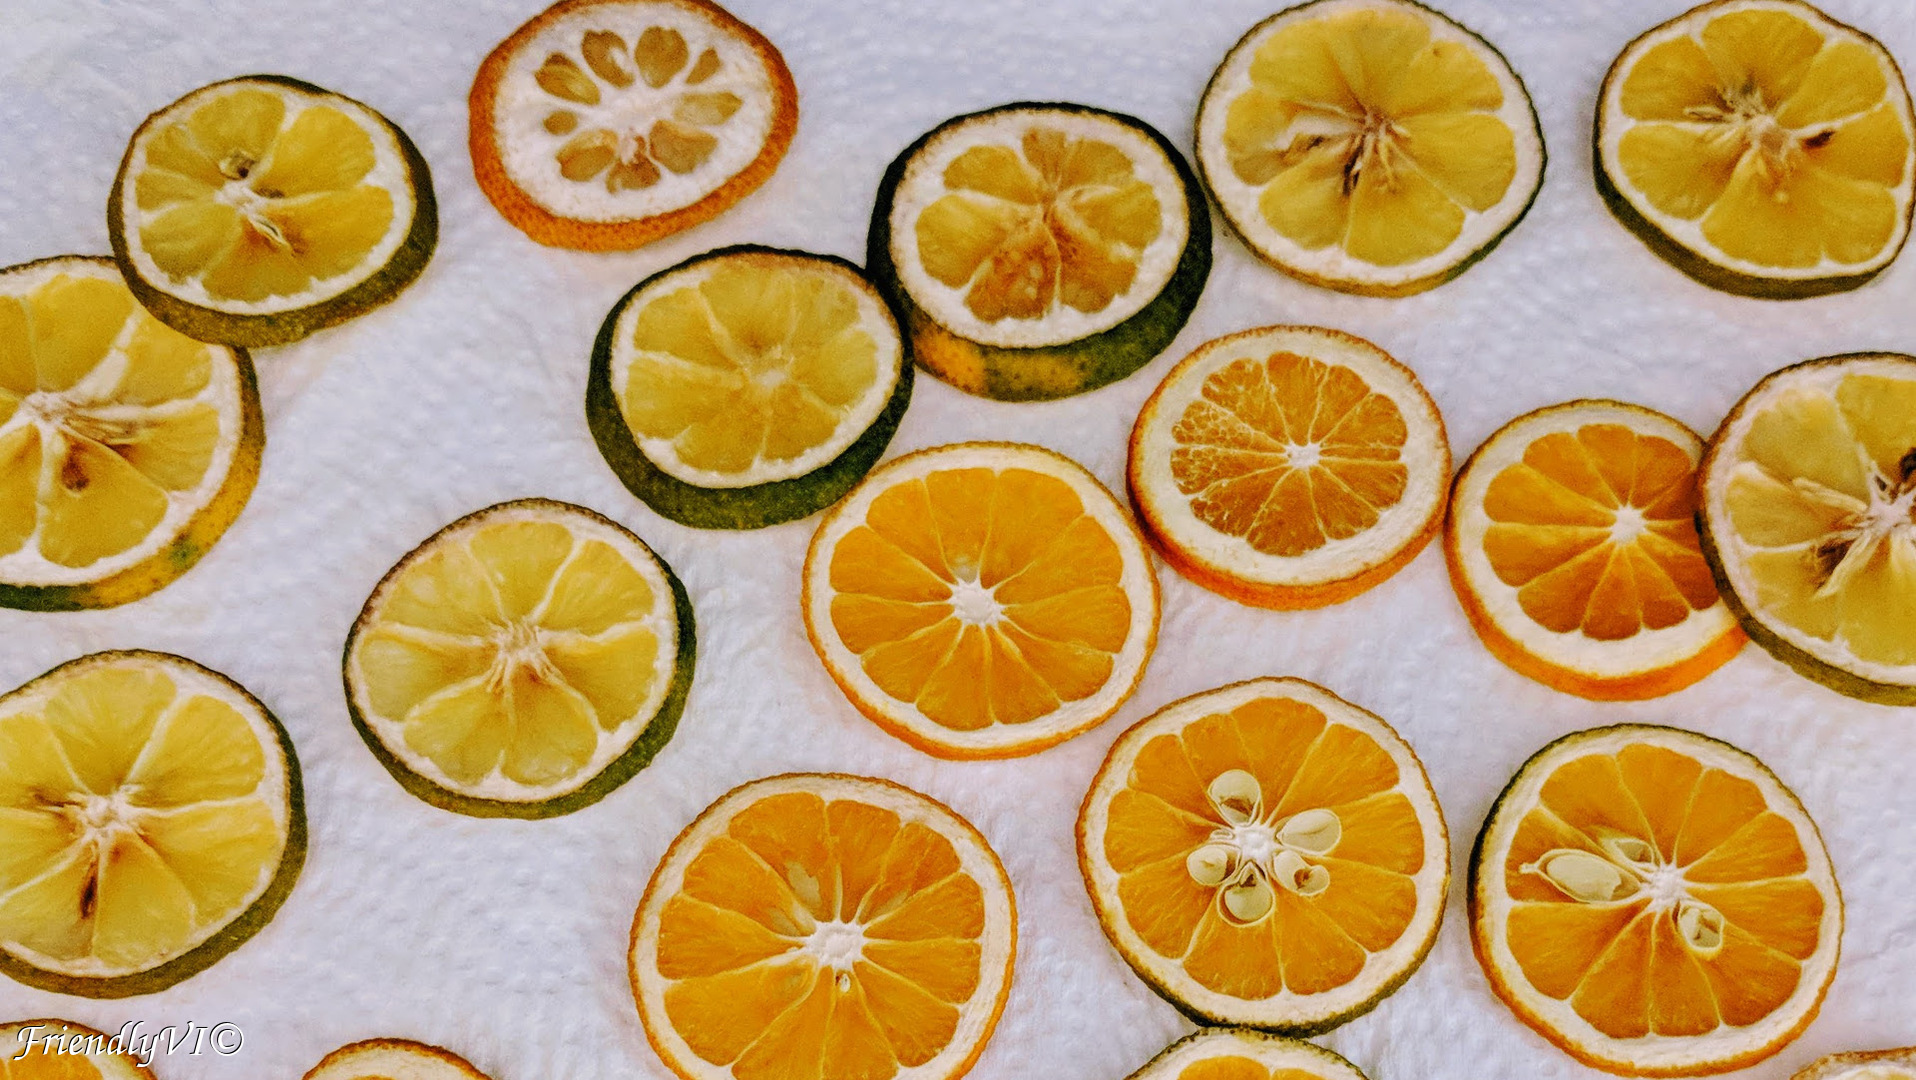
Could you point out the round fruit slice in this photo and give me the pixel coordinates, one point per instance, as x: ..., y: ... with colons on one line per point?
x: 1866, y: 1065
x: 1809, y: 520
x: 1760, y: 147
x: 393, y: 1059
x: 1266, y: 854
x: 1370, y: 146
x: 523, y: 662
x: 1245, y: 1054
x: 1040, y: 250
x: 1289, y: 467
x: 1573, y: 548
x: 63, y: 1050
x: 126, y: 448
x: 607, y: 124
x: 812, y: 925
x: 258, y: 210
x: 747, y: 386
x: 982, y: 600
x: 151, y: 820
x: 1655, y: 902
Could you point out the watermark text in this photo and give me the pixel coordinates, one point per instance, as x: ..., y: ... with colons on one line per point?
x: 136, y: 1039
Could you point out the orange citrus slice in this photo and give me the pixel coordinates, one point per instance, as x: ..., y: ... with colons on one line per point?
x: 64, y: 1050
x: 1863, y: 1065
x: 393, y: 1059
x: 812, y: 925
x: 1655, y: 902
x: 1245, y: 1054
x: 1289, y: 467
x: 982, y: 599
x: 1573, y: 549
x: 1266, y: 854
x: 607, y: 124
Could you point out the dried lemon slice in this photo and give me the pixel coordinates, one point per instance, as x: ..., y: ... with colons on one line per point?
x: 1809, y: 520
x: 1371, y: 146
x: 126, y: 448
x: 1245, y: 1054
x: 1761, y: 147
x: 393, y: 1059
x: 1863, y: 1065
x: 607, y: 124
x: 64, y: 1050
x: 1040, y: 250
x: 258, y: 210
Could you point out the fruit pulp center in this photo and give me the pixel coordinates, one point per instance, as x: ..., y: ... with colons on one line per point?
x: 837, y: 945
x: 974, y: 604
x: 1630, y: 523
x: 1304, y: 456
x: 1747, y: 117
x: 1249, y: 858
x: 97, y: 815
x: 1629, y: 869
x: 520, y: 645
x: 1890, y: 515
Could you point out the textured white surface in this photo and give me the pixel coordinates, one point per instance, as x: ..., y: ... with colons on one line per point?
x: 505, y: 941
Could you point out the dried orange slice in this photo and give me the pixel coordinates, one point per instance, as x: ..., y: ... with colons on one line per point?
x: 981, y: 599
x: 1761, y: 147
x: 393, y: 1059
x: 607, y: 124
x: 1573, y: 549
x: 1266, y: 854
x: 813, y: 925
x: 1245, y: 1054
x: 64, y: 1050
x: 1289, y: 467
x: 1655, y: 902
x: 1863, y: 1065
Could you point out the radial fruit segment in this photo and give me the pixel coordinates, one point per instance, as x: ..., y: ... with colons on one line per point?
x: 1245, y: 1054
x: 63, y: 1050
x: 393, y: 1059
x: 826, y: 925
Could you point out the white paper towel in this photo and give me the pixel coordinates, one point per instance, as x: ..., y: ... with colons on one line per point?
x: 506, y: 940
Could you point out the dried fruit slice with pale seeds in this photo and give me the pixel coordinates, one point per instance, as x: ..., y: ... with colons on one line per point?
x: 63, y: 1050
x: 1245, y: 1054
x: 393, y: 1059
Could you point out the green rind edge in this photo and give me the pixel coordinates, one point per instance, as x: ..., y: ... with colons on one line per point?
x: 1243, y: 1032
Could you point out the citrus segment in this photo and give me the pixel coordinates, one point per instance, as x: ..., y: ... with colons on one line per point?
x: 1266, y: 854
x: 64, y: 1050
x: 981, y: 600
x: 393, y: 1059
x: 523, y: 662
x: 1864, y: 1065
x: 825, y: 924
x: 1245, y: 1054
x: 1289, y: 466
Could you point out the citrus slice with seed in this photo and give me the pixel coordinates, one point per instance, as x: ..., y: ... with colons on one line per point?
x: 393, y: 1059
x: 747, y: 386
x: 126, y: 448
x: 1863, y: 1065
x: 1761, y: 147
x: 814, y: 925
x: 982, y: 600
x: 1245, y: 1054
x: 1573, y: 548
x: 150, y: 821
x: 607, y: 124
x: 258, y: 210
x: 1289, y: 467
x: 1040, y: 250
x: 1370, y: 146
x: 1655, y: 902
x: 1809, y: 520
x: 523, y: 662
x: 64, y: 1050
x: 1266, y: 854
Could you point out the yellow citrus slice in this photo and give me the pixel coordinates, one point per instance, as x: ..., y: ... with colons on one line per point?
x: 1655, y: 902
x: 747, y: 386
x: 393, y: 1059
x: 126, y: 448
x: 1245, y: 1054
x: 814, y: 925
x: 1266, y: 854
x: 1760, y: 147
x: 982, y: 600
x: 258, y: 210
x: 1289, y: 467
x: 150, y: 821
x: 1370, y: 146
x: 64, y: 1050
x: 1809, y: 520
x: 524, y: 661
x: 1573, y: 549
x: 1040, y: 250
x: 607, y: 124
x: 1863, y: 1065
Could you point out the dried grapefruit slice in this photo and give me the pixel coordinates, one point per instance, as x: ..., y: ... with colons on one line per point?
x: 607, y: 124
x: 393, y: 1059
x: 1863, y: 1065
x: 1289, y: 467
x: 1655, y: 902
x: 815, y: 925
x: 982, y: 600
x: 1573, y: 548
x: 1245, y: 1054
x: 64, y: 1050
x: 1266, y: 854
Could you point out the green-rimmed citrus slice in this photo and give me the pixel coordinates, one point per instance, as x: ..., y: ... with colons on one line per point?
x: 64, y: 1050
x: 1761, y: 147
x: 1040, y: 250
x: 126, y: 448
x: 747, y: 386
x: 1808, y: 520
x: 393, y: 1059
x: 1371, y: 146
x: 1863, y: 1065
x: 523, y: 662
x: 150, y: 821
x: 258, y: 210
x: 1245, y: 1054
